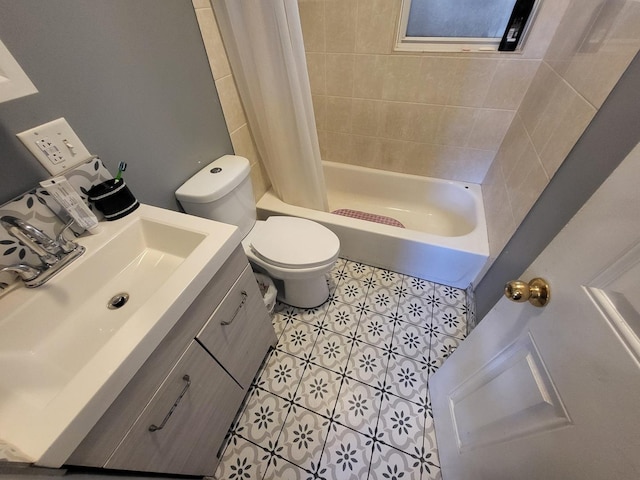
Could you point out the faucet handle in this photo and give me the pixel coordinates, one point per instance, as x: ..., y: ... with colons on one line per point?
x: 24, y: 271
x: 67, y: 246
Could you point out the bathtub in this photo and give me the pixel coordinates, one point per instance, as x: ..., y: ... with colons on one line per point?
x: 445, y: 236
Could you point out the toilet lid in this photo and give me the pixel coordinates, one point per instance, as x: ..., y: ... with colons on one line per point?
x: 295, y: 243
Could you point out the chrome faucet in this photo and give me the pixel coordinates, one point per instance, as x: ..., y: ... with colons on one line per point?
x: 54, y: 254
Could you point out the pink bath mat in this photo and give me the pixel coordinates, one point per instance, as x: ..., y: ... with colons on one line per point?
x: 370, y: 217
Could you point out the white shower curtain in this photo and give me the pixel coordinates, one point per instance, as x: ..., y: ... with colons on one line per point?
x: 264, y: 43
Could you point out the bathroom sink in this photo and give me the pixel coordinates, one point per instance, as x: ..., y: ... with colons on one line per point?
x: 66, y: 355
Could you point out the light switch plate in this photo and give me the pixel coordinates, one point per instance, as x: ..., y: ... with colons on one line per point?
x: 55, y: 145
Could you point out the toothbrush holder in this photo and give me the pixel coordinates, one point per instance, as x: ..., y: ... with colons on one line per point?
x: 113, y: 198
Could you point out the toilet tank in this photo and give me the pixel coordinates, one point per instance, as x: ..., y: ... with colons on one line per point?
x: 221, y: 191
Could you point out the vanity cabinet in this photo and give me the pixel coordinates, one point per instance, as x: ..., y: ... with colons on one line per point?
x: 173, y: 415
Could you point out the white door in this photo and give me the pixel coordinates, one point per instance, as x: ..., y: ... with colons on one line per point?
x: 554, y: 392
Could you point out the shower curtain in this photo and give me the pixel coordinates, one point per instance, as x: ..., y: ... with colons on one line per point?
x: 266, y: 51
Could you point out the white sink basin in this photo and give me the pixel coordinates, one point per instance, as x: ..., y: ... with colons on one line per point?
x: 65, y: 355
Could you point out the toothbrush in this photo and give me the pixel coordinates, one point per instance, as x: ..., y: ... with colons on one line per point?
x: 122, y: 166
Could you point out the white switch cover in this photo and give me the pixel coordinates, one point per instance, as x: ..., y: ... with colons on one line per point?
x: 55, y: 145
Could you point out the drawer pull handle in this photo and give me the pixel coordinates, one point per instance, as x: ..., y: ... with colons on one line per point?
x: 153, y: 427
x: 235, y: 314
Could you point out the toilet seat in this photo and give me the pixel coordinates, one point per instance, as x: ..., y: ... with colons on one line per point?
x: 293, y: 243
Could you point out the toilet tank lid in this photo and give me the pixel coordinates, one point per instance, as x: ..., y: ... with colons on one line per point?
x: 215, y: 180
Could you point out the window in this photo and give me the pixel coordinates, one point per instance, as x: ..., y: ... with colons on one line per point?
x: 463, y: 25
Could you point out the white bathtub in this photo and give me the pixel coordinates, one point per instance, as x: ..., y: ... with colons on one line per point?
x: 445, y: 239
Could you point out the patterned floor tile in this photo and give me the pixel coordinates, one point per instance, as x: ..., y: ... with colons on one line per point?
x: 282, y: 470
x: 358, y: 407
x: 308, y: 315
x: 345, y: 393
x: 350, y: 290
x: 282, y: 374
x: 401, y: 423
x: 367, y: 364
x: 331, y: 351
x: 388, y: 463
x: 415, y: 310
x: 417, y: 286
x: 302, y: 438
x: 346, y: 456
x: 242, y: 460
x: 376, y: 329
x: 262, y: 418
x: 342, y: 318
x: 318, y: 390
x: 450, y: 321
x: 412, y: 340
x: 387, y: 278
x: 358, y: 271
x: 407, y: 378
x: 442, y: 346
x: 381, y: 300
x: 430, y: 463
x: 451, y: 296
x: 297, y: 339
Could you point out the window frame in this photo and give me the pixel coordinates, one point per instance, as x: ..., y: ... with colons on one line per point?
x: 404, y: 43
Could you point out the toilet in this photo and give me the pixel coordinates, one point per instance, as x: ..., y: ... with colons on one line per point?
x: 295, y: 252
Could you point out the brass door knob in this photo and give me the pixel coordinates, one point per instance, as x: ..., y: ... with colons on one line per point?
x: 537, y: 291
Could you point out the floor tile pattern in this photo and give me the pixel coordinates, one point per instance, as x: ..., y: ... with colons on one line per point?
x: 344, y: 395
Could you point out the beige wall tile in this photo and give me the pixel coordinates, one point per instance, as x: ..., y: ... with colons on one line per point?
x: 338, y: 114
x: 317, y: 69
x: 437, y: 75
x: 213, y: 45
x: 448, y: 162
x: 319, y: 110
x: 366, y: 116
x: 515, y: 142
x: 510, y: 83
x: 410, y: 121
x: 244, y: 146
x: 231, y: 105
x: 337, y: 147
x: 455, y: 126
x: 340, y: 74
x: 610, y: 45
x: 536, y: 100
x: 490, y: 128
x: 499, y: 217
x: 572, y: 31
x: 471, y: 81
x: 367, y: 151
x: 551, y: 118
x: 525, y: 184
x: 393, y: 155
x: 572, y: 125
x: 201, y: 4
x: 312, y: 19
x: 546, y: 22
x: 368, y: 76
x: 402, y: 78
x: 376, y: 25
x: 340, y: 21
x: 423, y: 122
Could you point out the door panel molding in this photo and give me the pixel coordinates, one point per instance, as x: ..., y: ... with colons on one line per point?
x: 486, y: 410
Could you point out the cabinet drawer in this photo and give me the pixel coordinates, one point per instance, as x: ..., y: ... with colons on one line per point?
x: 238, y: 334
x: 192, y: 434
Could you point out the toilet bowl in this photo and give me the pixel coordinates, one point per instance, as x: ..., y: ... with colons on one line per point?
x: 295, y: 252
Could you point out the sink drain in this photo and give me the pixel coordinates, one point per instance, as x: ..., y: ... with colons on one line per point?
x: 118, y: 301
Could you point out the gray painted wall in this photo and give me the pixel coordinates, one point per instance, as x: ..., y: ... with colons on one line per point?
x: 612, y: 134
x: 130, y: 76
